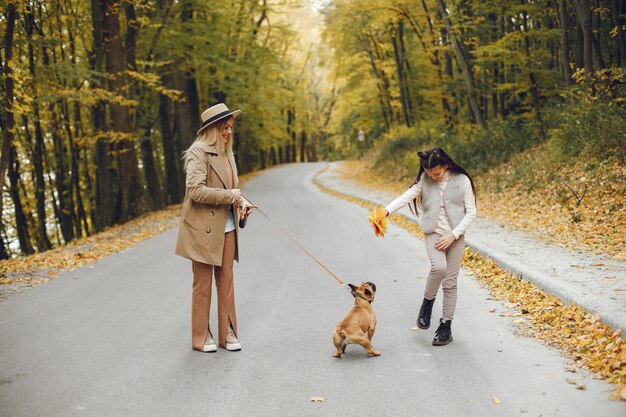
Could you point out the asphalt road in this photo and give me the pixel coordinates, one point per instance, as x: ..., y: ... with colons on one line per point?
x: 113, y: 339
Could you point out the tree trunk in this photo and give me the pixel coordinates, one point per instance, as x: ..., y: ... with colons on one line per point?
x: 155, y: 193
x: 173, y: 180
x: 8, y: 119
x: 465, y: 65
x: 534, y: 88
x: 303, y: 146
x: 563, y: 20
x: 384, y: 105
x: 81, y: 215
x: 103, y: 214
x: 397, y: 39
x: 584, y: 18
x: 131, y: 195
x: 21, y: 224
x: 43, y: 243
x: 187, y: 112
x: 618, y: 8
x: 61, y: 180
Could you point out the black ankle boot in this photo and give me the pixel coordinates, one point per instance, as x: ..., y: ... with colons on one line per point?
x: 423, y: 320
x: 443, y: 335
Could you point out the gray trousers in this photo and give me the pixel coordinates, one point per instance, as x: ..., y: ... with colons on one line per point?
x: 444, y: 270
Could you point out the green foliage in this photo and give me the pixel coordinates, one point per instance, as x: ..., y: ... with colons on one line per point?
x: 474, y: 148
x: 593, y: 129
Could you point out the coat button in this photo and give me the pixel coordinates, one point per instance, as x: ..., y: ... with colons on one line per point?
x: 208, y: 230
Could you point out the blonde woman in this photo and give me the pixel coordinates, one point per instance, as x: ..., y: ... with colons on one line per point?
x: 208, y: 231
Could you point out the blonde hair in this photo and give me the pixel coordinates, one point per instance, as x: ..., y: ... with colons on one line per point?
x: 212, y: 135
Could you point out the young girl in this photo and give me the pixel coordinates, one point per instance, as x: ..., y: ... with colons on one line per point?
x: 445, y: 197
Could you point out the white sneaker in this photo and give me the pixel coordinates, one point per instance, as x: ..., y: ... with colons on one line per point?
x: 209, y: 344
x: 232, y: 343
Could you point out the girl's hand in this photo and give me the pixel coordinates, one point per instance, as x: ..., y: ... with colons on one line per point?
x: 445, y: 241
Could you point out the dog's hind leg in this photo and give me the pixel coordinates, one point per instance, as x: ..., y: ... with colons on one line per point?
x: 365, y: 342
x: 340, y: 344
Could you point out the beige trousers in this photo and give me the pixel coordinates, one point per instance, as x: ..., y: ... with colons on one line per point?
x: 201, y: 296
x: 444, y: 270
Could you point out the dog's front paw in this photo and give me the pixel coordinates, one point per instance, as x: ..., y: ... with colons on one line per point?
x: 374, y: 353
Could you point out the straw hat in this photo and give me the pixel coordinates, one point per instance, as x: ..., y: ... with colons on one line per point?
x: 215, y: 113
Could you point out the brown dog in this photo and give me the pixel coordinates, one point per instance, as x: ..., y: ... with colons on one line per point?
x: 360, y: 321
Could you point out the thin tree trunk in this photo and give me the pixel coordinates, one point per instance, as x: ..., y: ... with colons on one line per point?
x: 173, y: 194
x: 534, y: 88
x: 103, y: 214
x: 398, y: 49
x: 60, y: 177
x: 465, y: 66
x: 8, y: 119
x: 618, y: 9
x: 43, y: 243
x: 155, y: 193
x: 565, y: 60
x: 303, y: 146
x: 21, y: 225
x: 584, y: 18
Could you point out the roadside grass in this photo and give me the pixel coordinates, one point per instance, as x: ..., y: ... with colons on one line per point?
x: 581, y: 336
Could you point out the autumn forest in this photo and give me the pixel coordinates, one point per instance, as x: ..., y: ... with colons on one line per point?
x: 100, y: 98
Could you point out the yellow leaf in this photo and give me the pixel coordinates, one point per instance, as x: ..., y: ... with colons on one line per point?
x: 496, y: 400
x: 378, y: 218
x: 317, y: 399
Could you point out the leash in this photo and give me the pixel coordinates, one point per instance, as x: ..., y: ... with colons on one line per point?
x: 301, y: 247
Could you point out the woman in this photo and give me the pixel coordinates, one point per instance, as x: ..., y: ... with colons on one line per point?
x: 208, y: 232
x: 445, y: 197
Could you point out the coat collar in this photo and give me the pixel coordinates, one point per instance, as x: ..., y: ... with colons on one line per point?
x: 206, y: 147
x: 219, y: 164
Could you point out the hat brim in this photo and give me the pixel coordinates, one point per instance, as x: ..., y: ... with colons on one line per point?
x: 233, y: 114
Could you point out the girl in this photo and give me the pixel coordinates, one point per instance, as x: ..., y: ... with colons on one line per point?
x: 445, y: 197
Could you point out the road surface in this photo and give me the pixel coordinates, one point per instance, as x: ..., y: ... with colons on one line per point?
x: 113, y: 339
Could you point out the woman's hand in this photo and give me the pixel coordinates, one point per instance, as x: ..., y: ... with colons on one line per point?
x: 245, y: 209
x: 445, y: 241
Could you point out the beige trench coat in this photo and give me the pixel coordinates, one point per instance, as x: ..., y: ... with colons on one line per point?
x: 206, y: 205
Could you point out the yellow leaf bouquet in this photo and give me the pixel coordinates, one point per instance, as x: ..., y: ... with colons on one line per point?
x: 378, y: 219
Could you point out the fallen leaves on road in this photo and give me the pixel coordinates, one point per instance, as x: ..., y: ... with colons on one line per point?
x: 317, y: 399
x: 572, y: 329
x: 496, y: 400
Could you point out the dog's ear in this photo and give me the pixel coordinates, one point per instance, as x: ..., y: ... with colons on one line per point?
x: 371, y: 284
x: 353, y: 287
x: 367, y: 292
